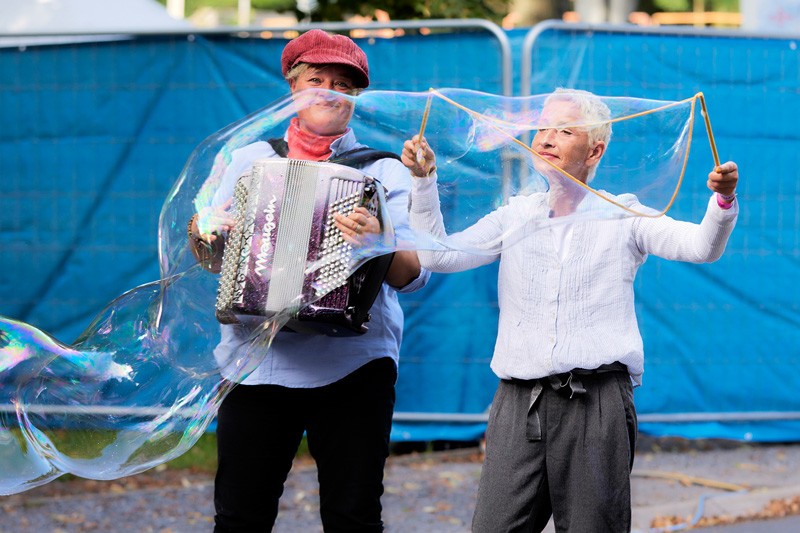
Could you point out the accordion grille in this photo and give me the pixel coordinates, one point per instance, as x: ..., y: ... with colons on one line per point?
x: 294, y: 231
x: 230, y: 286
x: 284, y: 252
x: 336, y: 254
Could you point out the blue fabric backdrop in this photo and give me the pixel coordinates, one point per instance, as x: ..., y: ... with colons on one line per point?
x: 720, y: 338
x: 95, y: 134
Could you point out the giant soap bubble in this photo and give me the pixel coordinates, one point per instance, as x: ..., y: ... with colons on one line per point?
x: 141, y: 383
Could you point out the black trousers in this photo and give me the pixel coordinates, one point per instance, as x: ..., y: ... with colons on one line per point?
x: 259, y: 428
x: 562, y: 448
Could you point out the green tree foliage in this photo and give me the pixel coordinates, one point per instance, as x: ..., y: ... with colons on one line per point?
x: 337, y: 10
x: 652, y: 6
x: 190, y: 6
x: 280, y: 6
x: 333, y: 10
x: 494, y: 10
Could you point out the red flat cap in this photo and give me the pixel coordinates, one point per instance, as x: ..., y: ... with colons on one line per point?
x: 318, y: 47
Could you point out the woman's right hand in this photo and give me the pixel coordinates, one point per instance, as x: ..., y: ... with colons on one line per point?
x: 215, y: 221
x: 207, y: 246
x: 418, y: 157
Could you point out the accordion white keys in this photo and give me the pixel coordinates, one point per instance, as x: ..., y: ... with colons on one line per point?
x: 285, y: 255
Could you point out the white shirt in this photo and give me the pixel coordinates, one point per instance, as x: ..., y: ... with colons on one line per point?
x: 576, y: 311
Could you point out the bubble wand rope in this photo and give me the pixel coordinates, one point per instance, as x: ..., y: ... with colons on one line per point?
x: 491, y: 124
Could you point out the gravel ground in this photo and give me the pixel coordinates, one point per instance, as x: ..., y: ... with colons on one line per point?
x: 431, y: 492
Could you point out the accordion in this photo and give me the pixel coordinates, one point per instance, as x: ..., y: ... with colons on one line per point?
x: 285, y: 254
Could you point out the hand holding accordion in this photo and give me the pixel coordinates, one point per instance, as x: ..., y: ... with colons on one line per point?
x: 291, y: 247
x: 360, y: 228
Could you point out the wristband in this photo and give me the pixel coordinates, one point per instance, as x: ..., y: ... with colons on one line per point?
x: 196, y: 240
x: 725, y: 202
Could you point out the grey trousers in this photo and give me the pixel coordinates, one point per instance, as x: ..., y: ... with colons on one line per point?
x: 563, y: 452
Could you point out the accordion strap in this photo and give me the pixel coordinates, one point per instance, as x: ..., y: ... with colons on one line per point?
x: 354, y: 158
x: 361, y: 156
x: 280, y: 146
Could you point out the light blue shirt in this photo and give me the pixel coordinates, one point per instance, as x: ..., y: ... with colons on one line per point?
x: 305, y: 361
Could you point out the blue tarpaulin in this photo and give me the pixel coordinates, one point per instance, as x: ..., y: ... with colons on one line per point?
x: 721, y: 340
x: 95, y: 134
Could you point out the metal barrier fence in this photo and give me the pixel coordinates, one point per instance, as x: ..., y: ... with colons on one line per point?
x: 99, y: 126
x: 121, y: 116
x: 75, y: 187
x: 694, y: 384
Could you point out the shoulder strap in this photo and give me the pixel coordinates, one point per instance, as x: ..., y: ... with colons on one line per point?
x: 280, y: 146
x: 361, y: 156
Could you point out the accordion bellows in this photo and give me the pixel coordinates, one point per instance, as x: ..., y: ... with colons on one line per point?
x: 285, y: 255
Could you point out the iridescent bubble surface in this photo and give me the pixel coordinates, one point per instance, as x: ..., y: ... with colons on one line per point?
x: 142, y: 383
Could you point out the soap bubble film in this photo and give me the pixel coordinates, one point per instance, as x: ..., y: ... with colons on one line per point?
x: 142, y: 383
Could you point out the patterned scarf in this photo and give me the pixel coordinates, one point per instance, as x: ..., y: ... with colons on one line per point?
x: 307, y: 146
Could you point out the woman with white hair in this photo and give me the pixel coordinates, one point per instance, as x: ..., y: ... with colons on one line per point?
x: 562, y: 427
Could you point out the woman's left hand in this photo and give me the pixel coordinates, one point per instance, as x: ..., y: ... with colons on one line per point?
x: 418, y: 157
x: 359, y: 227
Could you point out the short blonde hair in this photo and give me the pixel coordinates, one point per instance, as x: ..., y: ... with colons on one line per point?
x: 301, y: 68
